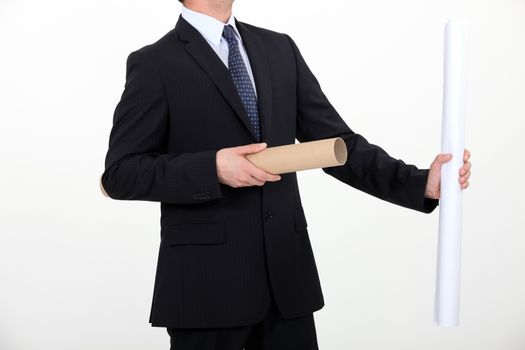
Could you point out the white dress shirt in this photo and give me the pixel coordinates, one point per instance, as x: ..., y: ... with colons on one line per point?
x: 211, y: 29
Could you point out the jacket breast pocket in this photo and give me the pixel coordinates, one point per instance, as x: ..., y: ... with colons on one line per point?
x: 194, y: 232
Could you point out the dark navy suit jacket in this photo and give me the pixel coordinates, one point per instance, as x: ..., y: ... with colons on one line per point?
x: 224, y: 250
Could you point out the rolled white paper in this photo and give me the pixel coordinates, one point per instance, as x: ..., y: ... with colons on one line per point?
x: 446, y: 304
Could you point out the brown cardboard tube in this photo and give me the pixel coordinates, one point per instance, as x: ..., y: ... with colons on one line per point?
x: 301, y: 156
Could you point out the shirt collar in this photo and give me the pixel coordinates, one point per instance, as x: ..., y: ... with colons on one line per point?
x: 210, y: 28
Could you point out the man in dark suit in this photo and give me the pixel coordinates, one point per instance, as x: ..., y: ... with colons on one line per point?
x: 235, y: 266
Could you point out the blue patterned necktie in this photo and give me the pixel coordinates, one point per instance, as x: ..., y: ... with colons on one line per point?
x: 242, y: 79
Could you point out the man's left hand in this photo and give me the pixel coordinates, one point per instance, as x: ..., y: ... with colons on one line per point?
x: 434, y: 176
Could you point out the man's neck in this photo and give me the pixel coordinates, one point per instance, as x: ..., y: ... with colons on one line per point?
x: 221, y: 10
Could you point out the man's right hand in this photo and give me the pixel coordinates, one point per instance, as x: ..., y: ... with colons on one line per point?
x: 235, y: 170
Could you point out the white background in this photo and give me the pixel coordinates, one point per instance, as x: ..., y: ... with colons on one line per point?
x: 77, y: 268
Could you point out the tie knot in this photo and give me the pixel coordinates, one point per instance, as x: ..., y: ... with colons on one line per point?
x: 229, y: 34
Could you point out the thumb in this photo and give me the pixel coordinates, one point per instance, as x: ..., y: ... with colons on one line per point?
x: 443, y: 158
x: 251, y: 148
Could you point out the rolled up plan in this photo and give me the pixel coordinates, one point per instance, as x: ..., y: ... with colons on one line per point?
x: 446, y: 304
x: 301, y: 156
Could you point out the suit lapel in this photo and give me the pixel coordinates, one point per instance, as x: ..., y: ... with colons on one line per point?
x: 204, y: 55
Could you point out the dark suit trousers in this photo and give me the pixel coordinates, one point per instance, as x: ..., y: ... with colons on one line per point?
x: 271, y: 333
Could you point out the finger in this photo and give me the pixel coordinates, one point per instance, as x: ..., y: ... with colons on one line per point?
x: 251, y: 148
x: 262, y: 175
x: 259, y: 173
x: 250, y: 181
x: 464, y: 178
x: 465, y: 168
x: 465, y: 185
x: 466, y: 155
x: 255, y: 181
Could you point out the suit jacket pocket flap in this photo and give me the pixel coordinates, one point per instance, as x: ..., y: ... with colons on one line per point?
x: 196, y: 232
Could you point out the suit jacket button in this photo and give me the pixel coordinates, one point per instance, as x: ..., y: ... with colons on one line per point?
x: 268, y: 215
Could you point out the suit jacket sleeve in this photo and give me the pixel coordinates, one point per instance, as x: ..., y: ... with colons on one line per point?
x: 135, y: 166
x: 368, y: 168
